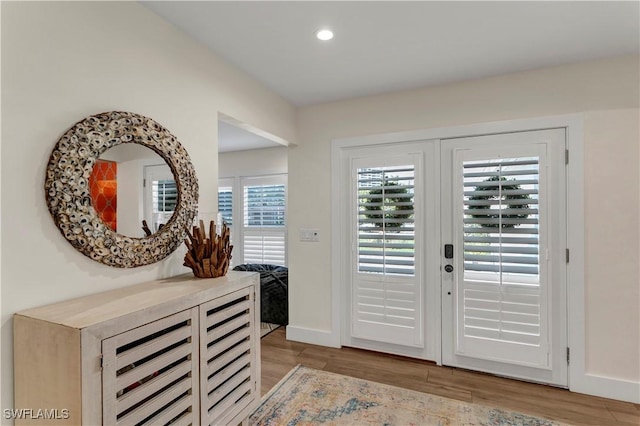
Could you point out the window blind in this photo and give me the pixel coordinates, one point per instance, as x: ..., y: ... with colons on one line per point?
x: 164, y: 195
x: 261, y: 246
x: 386, y: 231
x: 501, y: 293
x: 264, y: 231
x: 501, y: 219
x: 264, y: 205
x: 225, y: 204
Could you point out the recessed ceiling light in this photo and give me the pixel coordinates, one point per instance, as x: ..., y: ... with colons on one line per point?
x: 324, y: 34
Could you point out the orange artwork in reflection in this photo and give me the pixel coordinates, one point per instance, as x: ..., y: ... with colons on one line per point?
x: 103, y: 185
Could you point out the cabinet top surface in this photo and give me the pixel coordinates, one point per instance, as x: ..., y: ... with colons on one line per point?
x: 96, y: 308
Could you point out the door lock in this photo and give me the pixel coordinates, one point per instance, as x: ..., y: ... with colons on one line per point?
x: 448, y: 268
x: 448, y: 251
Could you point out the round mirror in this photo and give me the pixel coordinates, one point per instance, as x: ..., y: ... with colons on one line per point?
x: 75, y: 210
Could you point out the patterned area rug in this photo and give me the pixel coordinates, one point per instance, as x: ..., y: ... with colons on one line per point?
x: 307, y: 396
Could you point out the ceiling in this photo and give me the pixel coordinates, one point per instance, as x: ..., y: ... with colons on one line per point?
x: 388, y: 46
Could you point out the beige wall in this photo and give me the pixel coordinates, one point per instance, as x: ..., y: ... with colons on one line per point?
x: 611, y: 142
x: 253, y: 162
x: 612, y: 270
x: 62, y: 61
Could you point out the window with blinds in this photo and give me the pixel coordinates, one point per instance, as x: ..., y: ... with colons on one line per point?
x: 164, y: 200
x: 386, y: 231
x: 225, y: 204
x: 264, y: 230
x: 501, y: 219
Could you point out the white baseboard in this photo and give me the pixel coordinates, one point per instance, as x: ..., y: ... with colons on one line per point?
x: 312, y: 336
x: 607, y: 387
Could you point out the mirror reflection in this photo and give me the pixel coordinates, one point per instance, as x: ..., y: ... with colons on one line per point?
x: 131, y: 183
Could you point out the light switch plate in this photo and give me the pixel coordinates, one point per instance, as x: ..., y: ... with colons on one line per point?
x: 309, y: 235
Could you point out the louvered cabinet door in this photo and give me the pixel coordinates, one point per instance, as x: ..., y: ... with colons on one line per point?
x: 150, y: 373
x: 228, y: 339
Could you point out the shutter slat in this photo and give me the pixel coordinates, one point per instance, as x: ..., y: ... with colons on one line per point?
x: 531, y: 260
x: 499, y: 163
x: 386, y: 319
x: 387, y: 245
x: 393, y: 253
x: 503, y: 240
x: 503, y: 173
x: 483, y: 184
x: 506, y: 202
x: 387, y: 261
x: 500, y: 249
x: 491, y: 212
x: 505, y: 221
x: 505, y: 192
x: 468, y: 266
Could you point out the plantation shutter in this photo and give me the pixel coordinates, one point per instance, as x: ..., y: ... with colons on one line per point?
x: 165, y: 195
x: 161, y: 195
x: 225, y: 204
x: 503, y: 279
x: 386, y: 291
x: 501, y: 218
x: 386, y: 232
x: 165, y: 199
x: 264, y: 226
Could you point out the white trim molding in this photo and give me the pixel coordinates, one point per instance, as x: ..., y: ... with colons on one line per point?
x: 312, y: 336
x: 607, y: 387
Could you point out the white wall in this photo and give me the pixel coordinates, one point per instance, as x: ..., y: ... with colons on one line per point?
x: 63, y: 61
x: 608, y: 90
x: 612, y: 218
x: 253, y: 162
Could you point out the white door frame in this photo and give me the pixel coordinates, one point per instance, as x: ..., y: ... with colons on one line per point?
x: 573, y: 123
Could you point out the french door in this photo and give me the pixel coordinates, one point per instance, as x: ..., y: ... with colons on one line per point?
x: 503, y: 277
x: 393, y: 249
x: 457, y: 252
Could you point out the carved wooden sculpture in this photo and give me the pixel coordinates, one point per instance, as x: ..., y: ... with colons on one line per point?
x: 208, y: 257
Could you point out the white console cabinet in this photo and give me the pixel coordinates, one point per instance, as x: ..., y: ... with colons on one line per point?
x: 177, y: 351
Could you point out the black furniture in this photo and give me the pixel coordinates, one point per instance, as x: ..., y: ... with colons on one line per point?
x: 274, y: 291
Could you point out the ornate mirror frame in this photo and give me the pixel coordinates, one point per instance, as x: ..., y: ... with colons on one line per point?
x: 69, y: 199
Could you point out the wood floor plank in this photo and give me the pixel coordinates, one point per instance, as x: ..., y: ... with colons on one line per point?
x: 402, y: 368
x: 395, y: 380
x: 279, y: 356
x: 277, y: 338
x: 626, y: 417
x: 289, y: 359
x: 535, y: 403
x: 622, y: 406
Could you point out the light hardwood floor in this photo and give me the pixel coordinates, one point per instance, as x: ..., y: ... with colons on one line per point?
x: 280, y: 355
